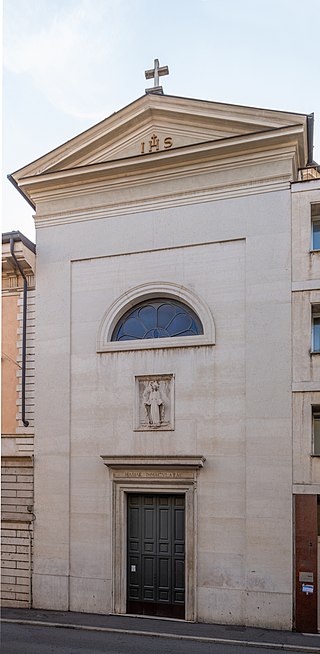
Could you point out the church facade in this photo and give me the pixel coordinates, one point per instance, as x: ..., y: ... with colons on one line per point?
x: 163, y: 424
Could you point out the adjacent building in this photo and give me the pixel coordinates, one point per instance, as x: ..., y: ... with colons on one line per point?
x: 306, y: 398
x: 177, y: 464
x: 17, y: 418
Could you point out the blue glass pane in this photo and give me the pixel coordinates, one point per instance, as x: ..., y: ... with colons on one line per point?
x: 157, y: 333
x: 180, y: 323
x: 165, y: 314
x: 133, y: 327
x: 316, y: 335
x: 316, y: 235
x: 148, y: 315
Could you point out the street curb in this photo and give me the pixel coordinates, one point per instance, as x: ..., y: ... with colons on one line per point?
x: 156, y: 634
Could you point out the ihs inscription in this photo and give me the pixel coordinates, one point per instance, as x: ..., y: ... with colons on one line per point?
x: 155, y: 144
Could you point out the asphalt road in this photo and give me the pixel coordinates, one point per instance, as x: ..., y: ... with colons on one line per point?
x: 28, y: 639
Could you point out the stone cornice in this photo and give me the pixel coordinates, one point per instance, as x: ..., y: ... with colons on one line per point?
x: 306, y: 186
x: 195, y: 155
x: 173, y: 200
x: 26, y: 258
x: 132, y: 461
x: 225, y: 178
x: 122, y: 180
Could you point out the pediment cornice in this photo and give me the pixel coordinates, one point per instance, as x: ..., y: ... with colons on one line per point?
x: 237, y: 150
x: 186, y: 132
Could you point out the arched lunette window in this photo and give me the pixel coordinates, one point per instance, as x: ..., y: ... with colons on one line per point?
x: 156, y: 315
x: 157, y: 318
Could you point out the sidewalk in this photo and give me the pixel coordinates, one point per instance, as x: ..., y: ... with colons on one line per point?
x: 174, y: 629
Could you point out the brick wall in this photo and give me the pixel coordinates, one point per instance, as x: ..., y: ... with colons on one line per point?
x: 16, y: 530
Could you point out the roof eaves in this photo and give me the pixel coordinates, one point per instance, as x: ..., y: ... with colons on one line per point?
x: 18, y: 236
x: 13, y: 181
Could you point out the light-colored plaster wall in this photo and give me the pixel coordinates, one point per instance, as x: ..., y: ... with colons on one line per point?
x: 233, y: 400
x: 9, y: 350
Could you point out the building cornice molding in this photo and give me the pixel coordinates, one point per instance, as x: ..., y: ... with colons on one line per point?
x: 123, y: 181
x: 307, y: 185
x: 197, y: 152
x: 240, y: 150
x: 156, y: 204
x: 25, y: 256
x: 132, y: 461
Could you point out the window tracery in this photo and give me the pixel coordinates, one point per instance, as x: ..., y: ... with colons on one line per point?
x: 183, y: 319
x: 157, y: 318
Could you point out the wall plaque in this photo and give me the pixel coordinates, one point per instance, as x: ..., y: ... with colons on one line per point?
x: 306, y: 577
x: 154, y: 403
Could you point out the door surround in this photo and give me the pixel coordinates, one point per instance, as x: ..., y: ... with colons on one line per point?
x: 152, y: 474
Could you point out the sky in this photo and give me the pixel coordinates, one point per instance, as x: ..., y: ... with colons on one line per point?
x: 67, y: 64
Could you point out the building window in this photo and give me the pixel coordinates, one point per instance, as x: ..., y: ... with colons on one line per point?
x: 315, y: 328
x: 156, y: 315
x: 316, y: 430
x: 315, y: 218
x: 316, y: 234
x: 157, y: 318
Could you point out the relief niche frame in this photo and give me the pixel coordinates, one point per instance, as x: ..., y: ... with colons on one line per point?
x: 161, y: 389
x: 155, y: 475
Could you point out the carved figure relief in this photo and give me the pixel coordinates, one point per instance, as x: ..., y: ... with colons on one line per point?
x: 154, y: 403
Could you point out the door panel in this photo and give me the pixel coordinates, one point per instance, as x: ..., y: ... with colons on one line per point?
x: 156, y: 551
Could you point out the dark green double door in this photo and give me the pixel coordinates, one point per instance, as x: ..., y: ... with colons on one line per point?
x: 156, y: 555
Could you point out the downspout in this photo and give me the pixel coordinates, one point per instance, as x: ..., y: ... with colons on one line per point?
x: 24, y: 333
x: 310, y: 127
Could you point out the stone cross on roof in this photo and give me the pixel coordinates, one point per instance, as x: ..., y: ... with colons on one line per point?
x: 156, y: 72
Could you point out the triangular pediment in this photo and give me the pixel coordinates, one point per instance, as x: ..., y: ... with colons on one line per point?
x: 155, y: 123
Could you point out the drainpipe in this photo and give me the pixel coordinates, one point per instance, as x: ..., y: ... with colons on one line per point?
x: 30, y: 566
x: 24, y: 332
x: 310, y: 127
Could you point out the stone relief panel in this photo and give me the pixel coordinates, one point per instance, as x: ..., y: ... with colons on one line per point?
x: 154, y: 403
